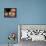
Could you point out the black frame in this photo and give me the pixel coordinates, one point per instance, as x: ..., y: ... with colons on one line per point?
x: 7, y: 10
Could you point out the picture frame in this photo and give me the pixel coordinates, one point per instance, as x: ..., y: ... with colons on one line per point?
x: 10, y: 12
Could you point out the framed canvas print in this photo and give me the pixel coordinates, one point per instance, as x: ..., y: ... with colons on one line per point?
x: 10, y: 12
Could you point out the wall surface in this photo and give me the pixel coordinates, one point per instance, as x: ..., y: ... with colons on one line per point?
x: 28, y: 12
